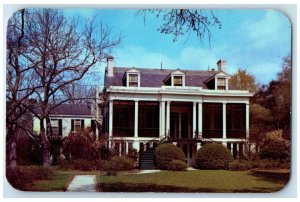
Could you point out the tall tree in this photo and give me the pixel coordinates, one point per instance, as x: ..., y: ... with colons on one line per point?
x: 62, y: 52
x: 243, y: 80
x: 20, y: 83
x: 178, y: 22
x: 276, y: 97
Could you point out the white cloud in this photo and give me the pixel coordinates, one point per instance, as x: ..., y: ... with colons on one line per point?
x: 273, y: 27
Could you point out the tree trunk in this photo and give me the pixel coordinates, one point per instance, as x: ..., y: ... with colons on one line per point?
x: 45, y: 144
x: 12, y: 148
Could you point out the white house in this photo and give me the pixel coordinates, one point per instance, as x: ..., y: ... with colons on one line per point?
x: 67, y: 118
x: 143, y: 107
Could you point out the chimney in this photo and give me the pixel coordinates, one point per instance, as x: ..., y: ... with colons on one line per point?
x: 221, y: 65
x: 110, y: 66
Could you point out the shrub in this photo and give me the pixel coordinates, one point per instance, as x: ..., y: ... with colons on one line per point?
x: 123, y: 163
x: 109, y: 167
x: 213, y: 156
x: 82, y: 164
x: 274, y: 146
x: 79, y: 145
x: 240, y: 165
x: 23, y: 177
x: 177, y: 165
x: 29, y: 151
x: 165, y: 153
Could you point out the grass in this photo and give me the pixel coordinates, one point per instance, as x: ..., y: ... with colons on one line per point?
x: 196, y: 181
x: 58, y: 182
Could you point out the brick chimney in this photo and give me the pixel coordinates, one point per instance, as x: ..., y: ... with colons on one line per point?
x: 221, y: 65
x: 110, y: 66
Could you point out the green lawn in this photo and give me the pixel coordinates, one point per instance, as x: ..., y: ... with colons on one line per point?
x: 58, y: 182
x: 196, y: 181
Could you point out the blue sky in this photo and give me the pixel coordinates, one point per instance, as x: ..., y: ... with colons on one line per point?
x: 255, y: 40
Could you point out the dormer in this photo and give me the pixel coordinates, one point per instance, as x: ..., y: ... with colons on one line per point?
x: 132, y: 78
x: 176, y: 78
x: 218, y: 81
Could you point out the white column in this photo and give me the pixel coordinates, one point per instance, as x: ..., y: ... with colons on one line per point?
x: 163, y: 118
x: 160, y: 124
x: 110, y: 120
x: 194, y: 119
x: 168, y: 118
x: 200, y: 119
x: 231, y: 148
x: 179, y: 123
x: 247, y: 121
x: 224, y: 120
x: 136, y: 118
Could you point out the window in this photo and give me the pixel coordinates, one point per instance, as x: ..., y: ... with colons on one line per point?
x: 77, y: 124
x: 54, y: 125
x: 221, y: 84
x: 177, y: 80
x: 133, y: 80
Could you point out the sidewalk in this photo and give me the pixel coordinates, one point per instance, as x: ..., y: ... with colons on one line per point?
x: 83, y: 183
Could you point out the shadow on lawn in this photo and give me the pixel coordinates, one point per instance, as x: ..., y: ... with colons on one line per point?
x: 122, y: 187
x: 274, y: 177
x: 142, y: 187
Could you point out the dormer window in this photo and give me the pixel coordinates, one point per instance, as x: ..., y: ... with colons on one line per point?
x: 218, y: 81
x: 132, y: 78
x: 221, y: 84
x: 177, y: 80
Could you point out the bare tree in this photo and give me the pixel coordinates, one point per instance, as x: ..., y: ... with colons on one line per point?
x: 20, y: 83
x: 61, y: 51
x: 177, y: 22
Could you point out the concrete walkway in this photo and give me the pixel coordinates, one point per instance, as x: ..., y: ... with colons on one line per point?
x: 83, y: 183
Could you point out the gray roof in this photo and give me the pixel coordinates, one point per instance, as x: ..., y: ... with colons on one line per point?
x: 155, y: 77
x: 72, y: 109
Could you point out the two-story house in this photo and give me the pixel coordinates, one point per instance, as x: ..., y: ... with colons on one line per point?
x: 143, y: 107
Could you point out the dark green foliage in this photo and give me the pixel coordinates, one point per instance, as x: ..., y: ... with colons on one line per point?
x: 240, y: 165
x: 133, y: 154
x: 213, y: 156
x: 275, y: 147
x: 123, y: 163
x: 79, y: 145
x: 165, y: 153
x: 29, y: 151
x: 177, y: 165
x: 82, y: 164
x: 22, y: 177
x: 56, y: 143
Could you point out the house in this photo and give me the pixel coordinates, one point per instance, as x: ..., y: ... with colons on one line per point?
x: 67, y: 118
x: 144, y: 107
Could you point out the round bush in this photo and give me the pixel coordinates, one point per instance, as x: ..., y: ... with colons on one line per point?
x: 165, y: 153
x: 177, y: 165
x: 213, y: 156
x: 123, y: 163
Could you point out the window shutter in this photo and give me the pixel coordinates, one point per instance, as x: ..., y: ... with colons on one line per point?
x: 82, y: 123
x: 59, y: 127
x: 72, y: 125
